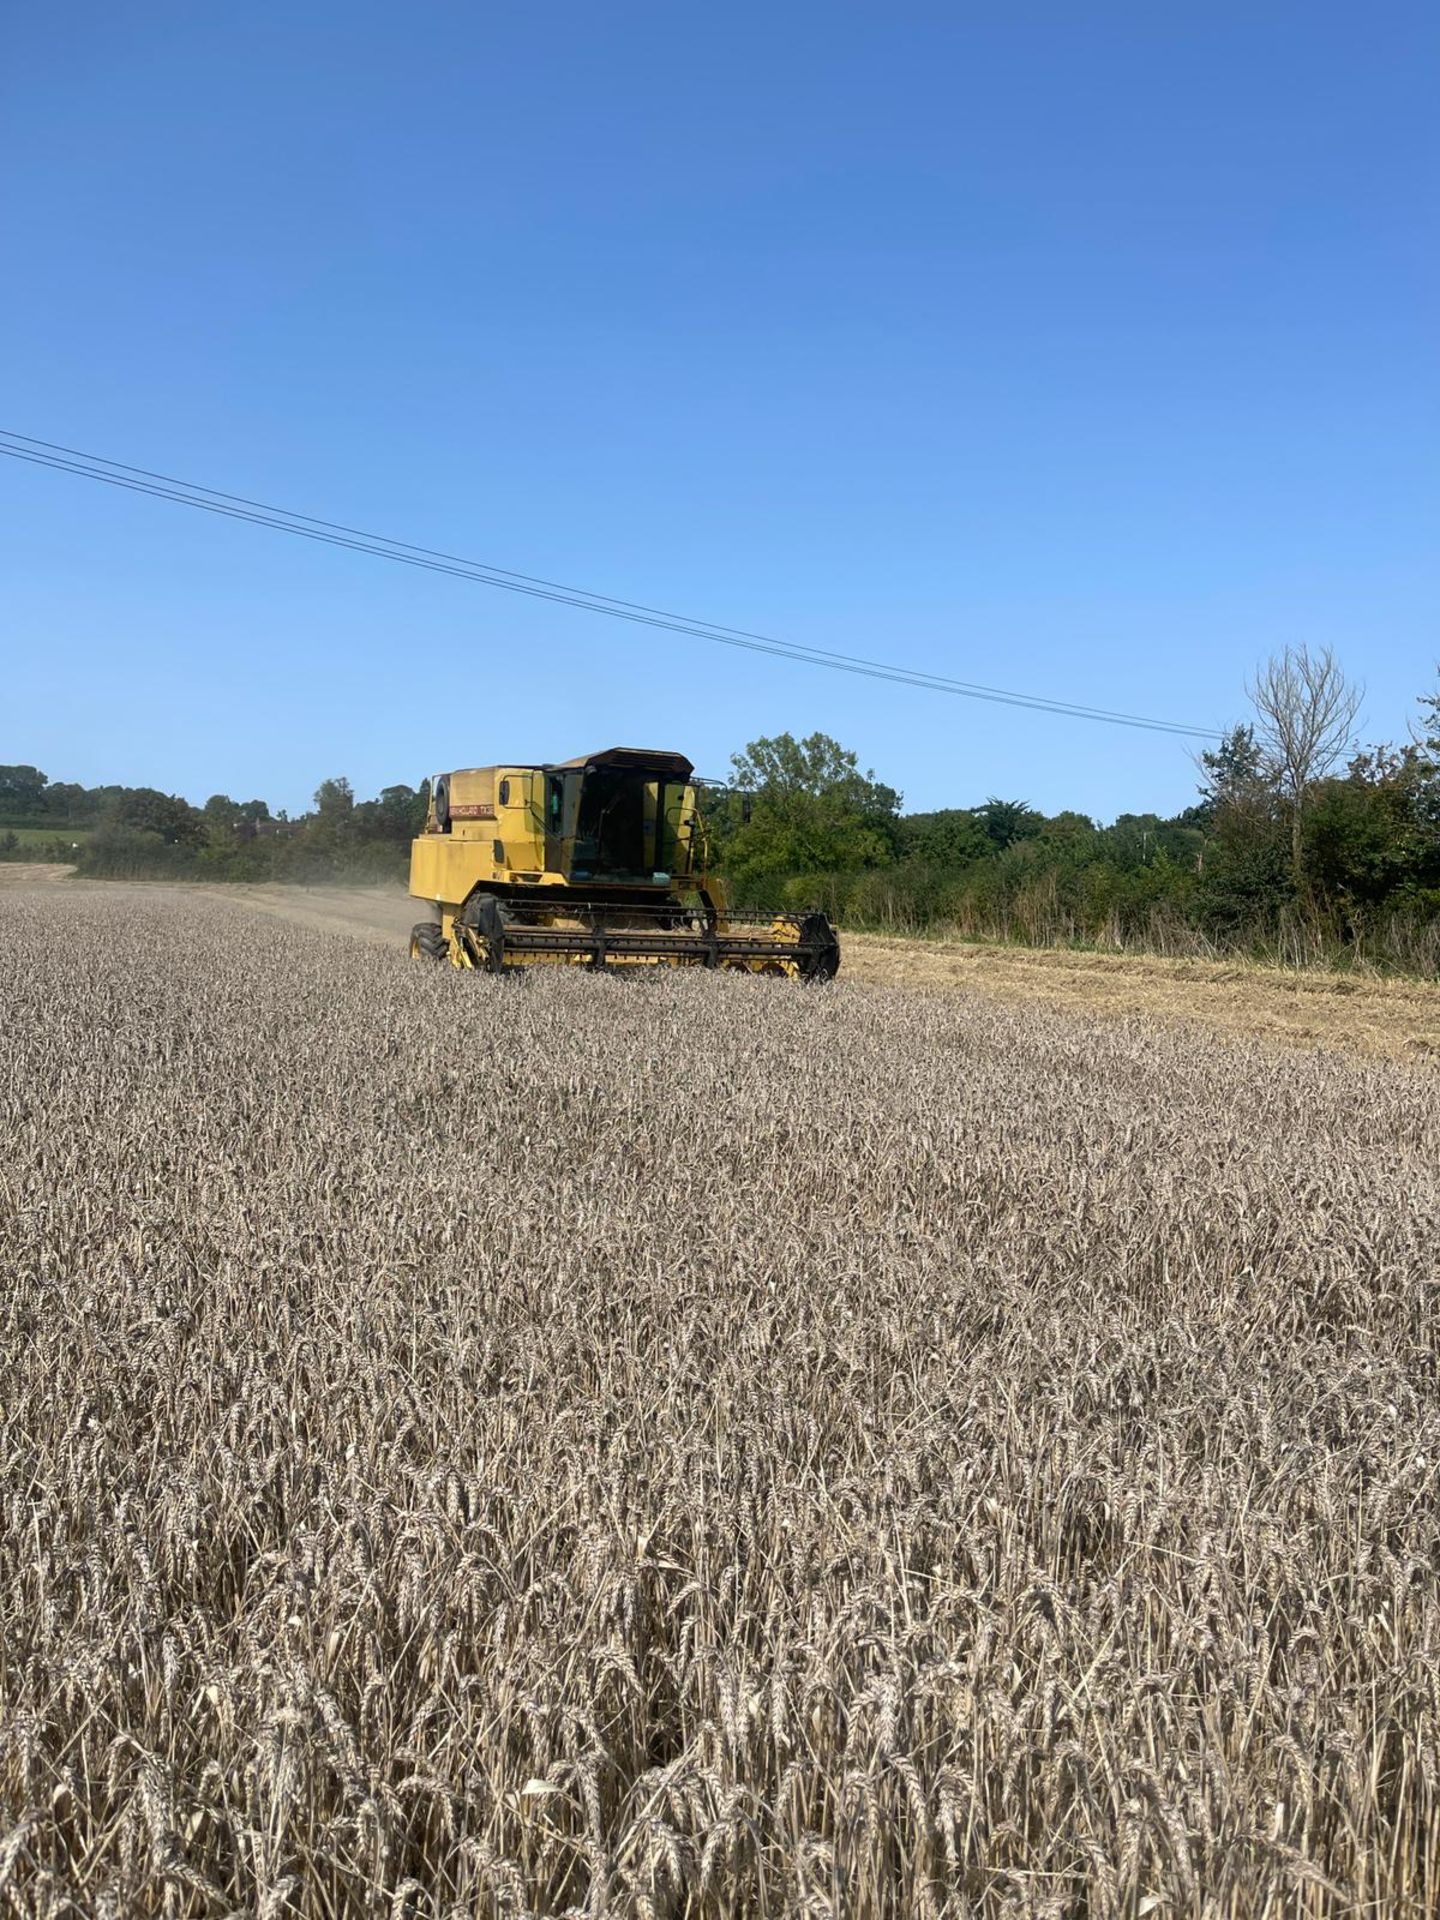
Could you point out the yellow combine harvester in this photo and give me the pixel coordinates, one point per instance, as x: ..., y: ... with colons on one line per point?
x: 598, y: 862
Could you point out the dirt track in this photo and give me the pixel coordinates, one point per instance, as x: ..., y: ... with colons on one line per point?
x: 1397, y: 1019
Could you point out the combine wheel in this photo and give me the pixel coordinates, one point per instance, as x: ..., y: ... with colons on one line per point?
x: 818, y: 937
x: 427, y: 942
x: 481, y: 925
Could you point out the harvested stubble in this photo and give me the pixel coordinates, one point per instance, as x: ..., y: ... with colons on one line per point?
x: 701, y: 1445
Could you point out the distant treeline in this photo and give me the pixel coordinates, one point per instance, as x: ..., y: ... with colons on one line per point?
x: 118, y: 833
x: 1297, y: 847
x: 1297, y: 859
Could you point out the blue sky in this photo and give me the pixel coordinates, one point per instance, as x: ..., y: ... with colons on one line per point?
x: 1090, y: 351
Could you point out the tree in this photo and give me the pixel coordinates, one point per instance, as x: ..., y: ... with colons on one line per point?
x: 1429, y: 728
x: 948, y: 837
x: 230, y: 823
x: 1306, y: 709
x: 1067, y: 828
x: 806, y: 808
x: 148, y: 810
x: 335, y: 799
x: 1134, y: 839
x: 397, y: 814
x: 1425, y: 749
x: 334, y: 821
x: 221, y: 815
x: 1006, y: 821
x: 1241, y: 858
x: 1231, y: 774
x: 65, y: 800
x: 1366, y: 839
x: 22, y: 790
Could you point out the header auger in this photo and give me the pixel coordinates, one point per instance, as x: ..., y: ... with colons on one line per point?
x: 597, y: 862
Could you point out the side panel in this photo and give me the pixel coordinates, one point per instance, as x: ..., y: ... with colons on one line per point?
x: 472, y: 796
x: 496, y: 832
x: 445, y: 870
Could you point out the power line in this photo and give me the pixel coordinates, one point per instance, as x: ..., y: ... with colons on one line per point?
x: 233, y: 506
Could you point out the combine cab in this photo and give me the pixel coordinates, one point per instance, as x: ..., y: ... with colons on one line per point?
x: 599, y: 862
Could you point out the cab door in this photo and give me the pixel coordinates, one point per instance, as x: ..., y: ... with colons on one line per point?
x: 558, y: 804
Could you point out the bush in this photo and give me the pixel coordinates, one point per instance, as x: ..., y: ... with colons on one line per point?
x: 133, y: 853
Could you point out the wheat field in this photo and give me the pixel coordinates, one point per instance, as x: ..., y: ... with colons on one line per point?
x: 697, y: 1446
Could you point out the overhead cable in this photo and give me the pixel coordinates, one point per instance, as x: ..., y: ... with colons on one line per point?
x: 233, y: 506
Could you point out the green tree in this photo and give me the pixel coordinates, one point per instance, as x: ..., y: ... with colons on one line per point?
x: 1244, y: 881
x: 806, y: 807
x: 335, y: 799
x: 1366, y: 842
x: 397, y: 814
x: 946, y: 837
x: 66, y: 801
x: 1232, y: 773
x: 221, y: 815
x: 167, y: 815
x: 1134, y: 839
x: 231, y: 823
x: 22, y: 790
x: 1003, y: 822
x: 333, y: 823
x: 1072, y: 831
x: 1426, y: 760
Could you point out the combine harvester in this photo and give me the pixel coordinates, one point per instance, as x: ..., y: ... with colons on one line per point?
x: 598, y: 862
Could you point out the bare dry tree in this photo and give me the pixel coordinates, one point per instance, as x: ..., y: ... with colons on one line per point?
x: 1306, y: 709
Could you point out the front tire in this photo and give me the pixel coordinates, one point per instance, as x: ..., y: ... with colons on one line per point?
x: 427, y: 942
